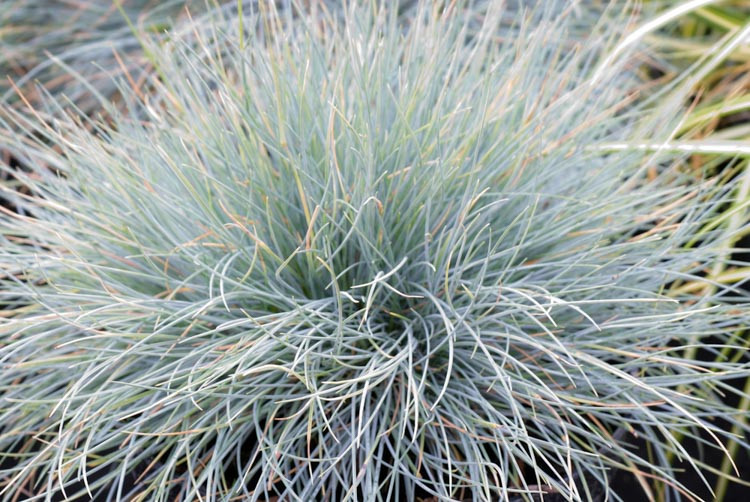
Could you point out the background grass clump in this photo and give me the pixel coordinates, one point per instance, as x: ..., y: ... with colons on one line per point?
x: 63, y: 44
x: 343, y: 254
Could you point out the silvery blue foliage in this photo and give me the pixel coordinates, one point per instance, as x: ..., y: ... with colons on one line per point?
x: 352, y: 255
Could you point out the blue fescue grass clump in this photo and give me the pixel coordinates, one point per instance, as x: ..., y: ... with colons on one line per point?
x: 348, y: 256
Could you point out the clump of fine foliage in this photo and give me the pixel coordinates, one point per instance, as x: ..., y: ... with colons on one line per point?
x: 340, y: 255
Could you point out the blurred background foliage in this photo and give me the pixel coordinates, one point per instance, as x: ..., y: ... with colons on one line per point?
x: 718, y: 115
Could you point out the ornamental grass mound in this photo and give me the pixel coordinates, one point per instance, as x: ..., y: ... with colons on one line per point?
x: 347, y: 255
